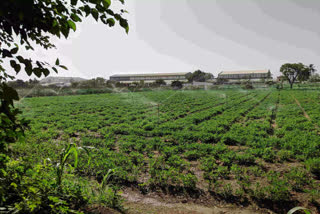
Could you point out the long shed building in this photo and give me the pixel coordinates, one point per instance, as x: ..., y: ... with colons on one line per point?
x: 167, y: 77
x: 245, y: 75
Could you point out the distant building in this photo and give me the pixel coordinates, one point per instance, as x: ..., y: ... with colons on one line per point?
x: 149, y: 78
x: 245, y: 75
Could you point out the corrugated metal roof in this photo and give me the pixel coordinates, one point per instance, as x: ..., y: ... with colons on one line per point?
x: 149, y: 75
x: 244, y: 72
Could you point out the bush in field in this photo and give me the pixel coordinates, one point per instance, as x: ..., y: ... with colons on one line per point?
x: 269, y: 155
x: 298, y: 178
x: 247, y: 85
x: 285, y: 155
x: 245, y: 159
x: 192, y: 155
x: 279, y: 189
x: 313, y: 165
x: 174, y: 174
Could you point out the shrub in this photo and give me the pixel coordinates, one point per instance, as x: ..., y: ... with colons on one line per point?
x: 189, y: 180
x: 32, y: 190
x: 298, y: 178
x: 176, y: 84
x: 177, y: 162
x: 285, y: 155
x: 313, y: 165
x: 192, y: 155
x: 279, y: 189
x: 259, y: 192
x: 269, y: 155
x: 245, y: 159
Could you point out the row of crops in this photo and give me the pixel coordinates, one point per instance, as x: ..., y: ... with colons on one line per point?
x: 250, y: 146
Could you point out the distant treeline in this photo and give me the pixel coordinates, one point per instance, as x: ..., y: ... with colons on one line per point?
x: 34, y: 88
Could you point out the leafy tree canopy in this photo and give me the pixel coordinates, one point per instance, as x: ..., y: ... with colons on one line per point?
x: 176, y: 84
x: 26, y: 23
x: 160, y: 82
x: 296, y: 71
x: 199, y: 76
x: 29, y: 22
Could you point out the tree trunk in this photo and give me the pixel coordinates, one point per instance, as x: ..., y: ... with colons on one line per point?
x: 291, y: 85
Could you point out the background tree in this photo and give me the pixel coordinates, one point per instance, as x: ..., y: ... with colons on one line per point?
x: 176, y: 84
x: 296, y: 71
x: 315, y: 78
x: 199, y: 76
x: 160, y: 82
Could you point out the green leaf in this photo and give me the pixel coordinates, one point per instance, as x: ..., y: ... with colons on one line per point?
x: 55, y: 70
x: 13, y: 63
x: 55, y: 23
x: 6, y: 53
x: 64, y: 67
x: 17, y: 68
x: 65, y: 31
x: 111, y: 22
x: 28, y: 70
x: 14, y: 50
x: 57, y: 62
x: 20, y: 58
x: 75, y: 17
x: 74, y: 2
x: 87, y: 10
x: 37, y: 72
x: 106, y: 3
x: 72, y: 25
x: 124, y: 24
x: 95, y: 14
x: 46, y: 72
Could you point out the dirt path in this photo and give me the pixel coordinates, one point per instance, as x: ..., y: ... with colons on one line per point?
x: 137, y: 203
x: 302, y: 109
x: 306, y: 114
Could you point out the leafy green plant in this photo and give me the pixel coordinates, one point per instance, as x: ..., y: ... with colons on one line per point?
x: 298, y: 178
x: 64, y: 156
x: 313, y: 165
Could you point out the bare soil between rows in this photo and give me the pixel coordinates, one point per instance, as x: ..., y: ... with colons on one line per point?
x: 137, y: 203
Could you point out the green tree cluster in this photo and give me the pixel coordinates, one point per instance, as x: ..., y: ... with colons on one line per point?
x: 199, y: 76
x: 293, y: 72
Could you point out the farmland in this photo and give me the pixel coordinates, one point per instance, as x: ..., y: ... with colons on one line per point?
x: 255, y: 147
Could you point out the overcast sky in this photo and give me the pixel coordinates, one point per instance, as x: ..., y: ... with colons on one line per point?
x: 185, y: 35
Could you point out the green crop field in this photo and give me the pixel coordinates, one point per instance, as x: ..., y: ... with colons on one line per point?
x: 257, y: 147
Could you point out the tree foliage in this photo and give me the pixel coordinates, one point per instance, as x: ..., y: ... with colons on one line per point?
x: 26, y: 24
x: 199, y: 76
x: 296, y: 72
x: 160, y: 82
x: 176, y: 84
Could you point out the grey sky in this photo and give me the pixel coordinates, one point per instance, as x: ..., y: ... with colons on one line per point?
x: 184, y: 35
